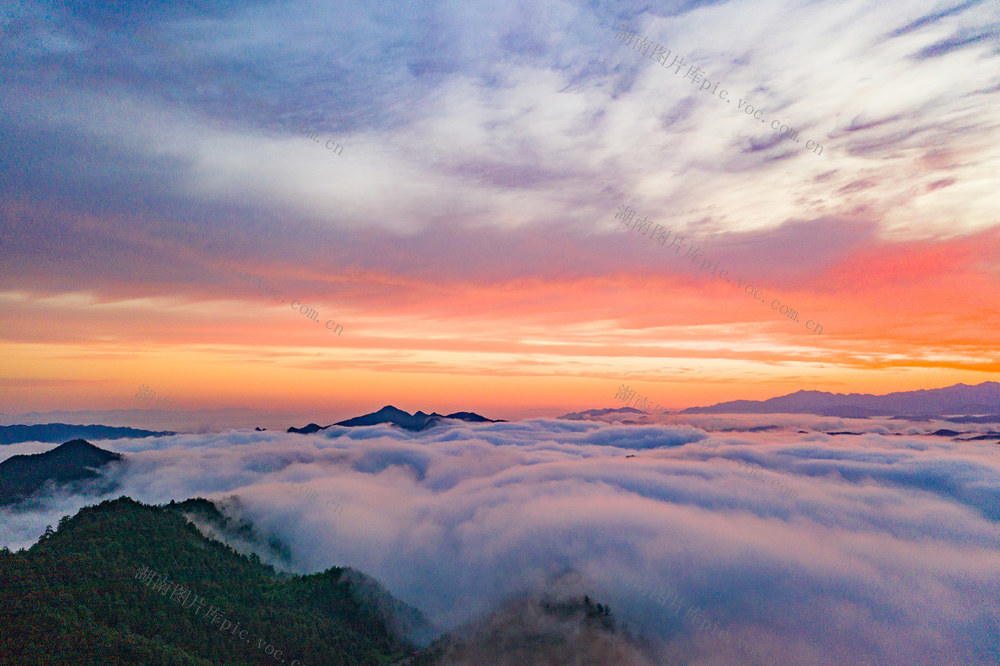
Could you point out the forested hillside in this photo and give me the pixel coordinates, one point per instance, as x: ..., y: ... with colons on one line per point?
x: 127, y: 583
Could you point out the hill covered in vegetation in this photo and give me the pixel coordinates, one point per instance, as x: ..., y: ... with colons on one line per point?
x: 74, y: 464
x: 543, y: 630
x: 127, y: 583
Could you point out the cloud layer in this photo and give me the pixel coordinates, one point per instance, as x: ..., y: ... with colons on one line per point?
x: 887, y: 550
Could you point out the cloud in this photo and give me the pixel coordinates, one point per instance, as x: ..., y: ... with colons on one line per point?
x: 507, y: 138
x: 946, y: 46
x: 935, y: 17
x: 893, y: 532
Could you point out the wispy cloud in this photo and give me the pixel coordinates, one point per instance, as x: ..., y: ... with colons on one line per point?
x: 484, y: 147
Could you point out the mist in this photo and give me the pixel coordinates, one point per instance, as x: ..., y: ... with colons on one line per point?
x: 714, y: 544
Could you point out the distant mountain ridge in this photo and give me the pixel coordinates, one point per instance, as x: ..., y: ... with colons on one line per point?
x: 982, y: 398
x: 389, y: 414
x: 73, y: 464
x: 61, y: 432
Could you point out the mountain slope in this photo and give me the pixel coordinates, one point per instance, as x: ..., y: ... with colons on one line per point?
x: 60, y: 432
x: 127, y: 583
x: 72, y: 464
x: 540, y: 631
x: 957, y: 399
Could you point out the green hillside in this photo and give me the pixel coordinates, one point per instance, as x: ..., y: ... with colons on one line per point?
x: 127, y: 583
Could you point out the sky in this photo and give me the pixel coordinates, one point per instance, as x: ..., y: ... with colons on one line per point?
x: 464, y: 189
x: 810, y: 548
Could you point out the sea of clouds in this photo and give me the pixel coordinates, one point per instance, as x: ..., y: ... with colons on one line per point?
x: 802, y: 547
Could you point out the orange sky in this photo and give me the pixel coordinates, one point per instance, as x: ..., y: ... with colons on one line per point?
x: 509, y: 349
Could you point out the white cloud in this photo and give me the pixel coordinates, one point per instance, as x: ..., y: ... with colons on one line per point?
x: 895, y: 535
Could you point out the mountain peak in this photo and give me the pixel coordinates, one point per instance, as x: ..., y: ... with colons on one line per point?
x: 76, y: 445
x: 72, y: 462
x: 395, y: 416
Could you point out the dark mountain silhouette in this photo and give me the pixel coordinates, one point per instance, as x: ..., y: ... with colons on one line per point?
x: 958, y: 399
x: 60, y: 432
x: 308, y: 430
x: 540, y: 631
x: 470, y: 416
x: 73, y: 465
x: 601, y: 414
x: 127, y: 583
x: 389, y: 414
